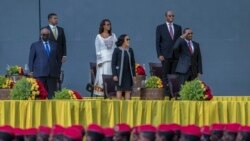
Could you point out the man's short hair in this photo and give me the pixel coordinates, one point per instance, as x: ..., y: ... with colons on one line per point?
x: 166, y: 13
x: 245, y: 135
x: 51, y: 15
x: 191, y: 138
x: 167, y: 135
x: 149, y: 135
x: 184, y: 31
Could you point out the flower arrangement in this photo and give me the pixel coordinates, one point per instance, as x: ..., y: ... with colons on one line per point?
x: 153, y: 82
x: 29, y: 89
x: 195, y: 90
x: 15, y: 70
x: 139, y: 70
x: 6, y: 83
x: 67, y: 94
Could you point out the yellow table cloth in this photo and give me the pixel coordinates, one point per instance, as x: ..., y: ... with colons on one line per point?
x: 107, y: 113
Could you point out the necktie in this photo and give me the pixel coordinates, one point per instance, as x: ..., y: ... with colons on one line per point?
x: 47, y: 48
x: 190, y: 47
x: 171, y: 31
x: 54, y: 32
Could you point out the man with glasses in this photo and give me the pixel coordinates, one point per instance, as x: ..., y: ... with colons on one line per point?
x: 44, y: 62
x: 166, y: 36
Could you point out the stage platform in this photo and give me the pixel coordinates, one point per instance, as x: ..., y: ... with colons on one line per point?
x: 107, y: 113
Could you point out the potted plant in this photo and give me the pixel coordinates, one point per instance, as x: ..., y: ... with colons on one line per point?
x: 195, y: 90
x: 28, y: 89
x: 15, y: 72
x: 153, y: 89
x: 5, y: 87
x: 140, y: 77
x: 140, y: 74
x: 67, y: 94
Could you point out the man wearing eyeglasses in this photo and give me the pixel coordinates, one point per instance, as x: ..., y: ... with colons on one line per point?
x: 44, y: 62
x: 166, y: 36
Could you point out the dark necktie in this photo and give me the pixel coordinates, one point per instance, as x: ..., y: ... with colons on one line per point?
x: 190, y: 47
x: 171, y: 32
x: 47, y: 48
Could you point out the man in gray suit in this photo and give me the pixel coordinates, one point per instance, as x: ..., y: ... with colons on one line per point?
x: 44, y: 62
x: 189, y: 65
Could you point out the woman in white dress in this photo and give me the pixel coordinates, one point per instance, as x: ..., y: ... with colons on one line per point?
x: 104, y: 44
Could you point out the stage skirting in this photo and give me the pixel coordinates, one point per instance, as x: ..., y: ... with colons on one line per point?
x: 26, y: 114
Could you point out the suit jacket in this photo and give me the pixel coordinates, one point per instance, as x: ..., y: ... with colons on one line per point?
x: 164, y: 42
x: 61, y: 40
x: 186, y: 59
x: 117, y: 63
x: 40, y: 63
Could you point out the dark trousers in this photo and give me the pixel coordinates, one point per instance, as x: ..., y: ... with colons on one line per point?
x: 168, y: 67
x: 189, y: 76
x: 50, y: 84
x: 61, y: 75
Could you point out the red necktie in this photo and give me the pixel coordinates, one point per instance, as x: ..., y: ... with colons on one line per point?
x: 190, y: 47
x: 171, y: 31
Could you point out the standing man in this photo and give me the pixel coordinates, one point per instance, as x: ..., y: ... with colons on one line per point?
x: 44, y: 62
x: 189, y: 65
x: 57, y: 35
x: 166, y: 36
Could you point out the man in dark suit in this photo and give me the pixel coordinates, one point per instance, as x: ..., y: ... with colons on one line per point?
x: 189, y: 65
x: 44, y: 62
x: 166, y: 36
x: 57, y: 35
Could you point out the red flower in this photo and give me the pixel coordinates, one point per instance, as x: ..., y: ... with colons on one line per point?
x: 43, y: 92
x: 21, y: 73
x: 140, y: 70
x: 78, y: 95
x: 12, y: 84
x: 208, y: 92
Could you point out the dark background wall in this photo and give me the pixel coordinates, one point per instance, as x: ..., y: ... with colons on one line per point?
x: 221, y: 28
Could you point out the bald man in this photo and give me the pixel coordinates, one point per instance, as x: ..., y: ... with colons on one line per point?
x: 166, y: 36
x: 44, y: 62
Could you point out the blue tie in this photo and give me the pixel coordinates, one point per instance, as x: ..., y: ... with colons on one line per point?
x: 47, y: 48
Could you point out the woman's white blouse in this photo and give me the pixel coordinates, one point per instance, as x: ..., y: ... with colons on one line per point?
x: 104, y: 48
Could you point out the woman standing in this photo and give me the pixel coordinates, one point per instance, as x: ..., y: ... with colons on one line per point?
x: 123, y: 67
x: 104, y: 44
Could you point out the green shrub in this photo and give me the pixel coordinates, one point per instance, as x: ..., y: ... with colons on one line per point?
x: 153, y: 82
x: 63, y: 94
x: 192, y: 90
x: 21, y: 90
x: 2, y: 81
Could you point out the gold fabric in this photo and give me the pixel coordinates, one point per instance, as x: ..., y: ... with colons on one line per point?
x: 107, y: 113
x: 215, y: 98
